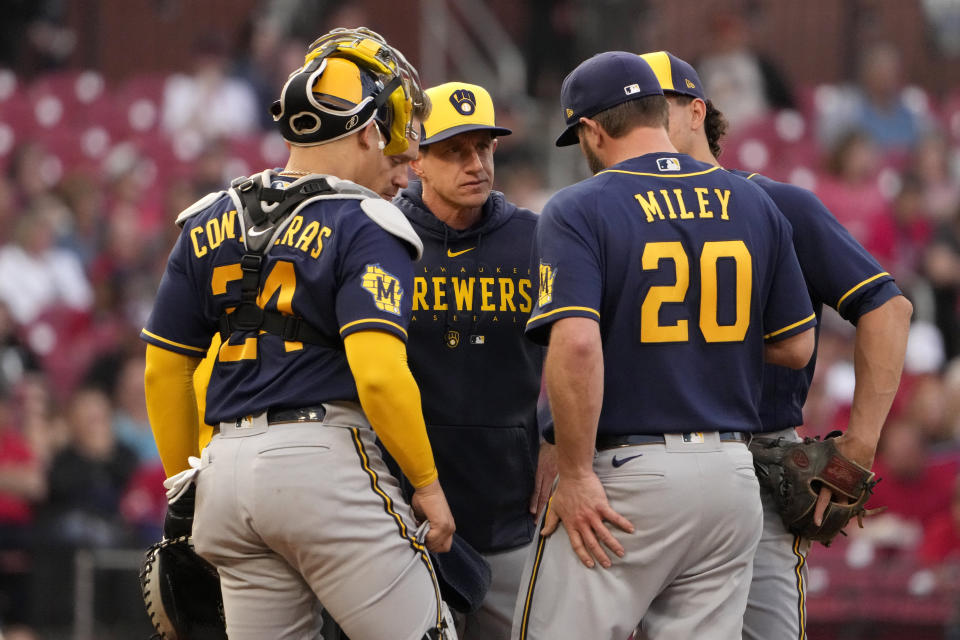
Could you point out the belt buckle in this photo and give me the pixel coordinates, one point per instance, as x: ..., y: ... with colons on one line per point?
x: 312, y: 414
x: 692, y: 437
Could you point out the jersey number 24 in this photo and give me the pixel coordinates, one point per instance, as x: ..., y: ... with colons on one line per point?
x: 650, y: 328
x: 282, y: 280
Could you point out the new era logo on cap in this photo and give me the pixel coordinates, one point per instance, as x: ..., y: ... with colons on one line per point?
x: 690, y: 85
x: 569, y: 112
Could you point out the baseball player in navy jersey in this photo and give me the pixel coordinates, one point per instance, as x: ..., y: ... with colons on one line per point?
x: 306, y: 275
x: 851, y: 282
x: 478, y: 374
x: 664, y: 283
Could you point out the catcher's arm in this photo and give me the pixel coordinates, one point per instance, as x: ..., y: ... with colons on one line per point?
x: 391, y: 400
x: 172, y: 406
x: 879, y: 349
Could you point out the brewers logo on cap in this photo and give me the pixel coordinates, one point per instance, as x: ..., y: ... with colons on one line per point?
x: 459, y: 107
x: 464, y: 101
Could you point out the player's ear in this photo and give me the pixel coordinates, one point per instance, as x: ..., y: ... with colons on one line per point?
x: 416, y: 165
x: 698, y: 113
x: 370, y: 137
x: 591, y: 129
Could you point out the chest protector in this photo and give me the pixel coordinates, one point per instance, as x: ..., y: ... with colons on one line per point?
x: 265, y: 213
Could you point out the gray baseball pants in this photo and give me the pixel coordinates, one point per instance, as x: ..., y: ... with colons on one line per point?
x: 776, y: 606
x: 297, y: 514
x: 495, y: 616
x: 686, y: 570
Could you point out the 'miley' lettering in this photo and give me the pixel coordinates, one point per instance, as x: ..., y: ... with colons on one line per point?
x: 654, y: 203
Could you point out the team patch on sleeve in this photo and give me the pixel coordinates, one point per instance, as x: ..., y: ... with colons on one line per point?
x: 547, y: 276
x: 384, y: 287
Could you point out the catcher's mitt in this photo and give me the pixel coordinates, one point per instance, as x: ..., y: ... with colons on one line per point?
x: 794, y: 473
x: 182, y: 592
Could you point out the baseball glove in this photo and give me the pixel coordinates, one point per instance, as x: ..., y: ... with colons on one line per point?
x: 181, y: 591
x: 794, y: 473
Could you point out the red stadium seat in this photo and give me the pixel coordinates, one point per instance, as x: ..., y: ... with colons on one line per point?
x: 246, y: 155
x: 138, y: 102
x: 72, y: 98
x: 10, y: 85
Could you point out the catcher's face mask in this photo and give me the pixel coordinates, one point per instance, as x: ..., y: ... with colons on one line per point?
x: 349, y: 77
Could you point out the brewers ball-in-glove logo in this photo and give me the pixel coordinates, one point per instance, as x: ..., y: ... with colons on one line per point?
x: 384, y: 288
x: 452, y: 338
x: 464, y: 101
x: 547, y: 275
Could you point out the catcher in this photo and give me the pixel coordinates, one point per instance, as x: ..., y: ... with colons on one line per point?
x: 303, y: 274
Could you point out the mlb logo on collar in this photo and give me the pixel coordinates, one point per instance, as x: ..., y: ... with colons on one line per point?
x: 668, y: 164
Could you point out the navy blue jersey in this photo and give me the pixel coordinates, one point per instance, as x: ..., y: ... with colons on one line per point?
x: 839, y: 273
x: 688, y: 270
x: 478, y: 375
x: 332, y: 266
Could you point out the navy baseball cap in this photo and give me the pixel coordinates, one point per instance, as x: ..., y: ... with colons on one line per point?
x: 675, y: 75
x: 603, y: 81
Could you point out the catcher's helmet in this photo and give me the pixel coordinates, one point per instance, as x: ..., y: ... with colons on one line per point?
x: 349, y: 77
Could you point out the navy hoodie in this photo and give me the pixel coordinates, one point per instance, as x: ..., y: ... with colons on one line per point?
x: 479, y: 376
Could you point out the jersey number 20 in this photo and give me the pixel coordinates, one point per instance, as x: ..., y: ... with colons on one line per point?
x: 650, y: 328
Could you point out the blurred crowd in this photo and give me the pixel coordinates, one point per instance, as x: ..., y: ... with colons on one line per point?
x: 92, y: 175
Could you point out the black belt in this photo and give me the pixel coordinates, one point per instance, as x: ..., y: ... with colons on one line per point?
x: 278, y: 416
x: 304, y: 414
x: 612, y: 442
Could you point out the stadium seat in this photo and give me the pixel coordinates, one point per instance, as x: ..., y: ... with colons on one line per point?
x: 138, y: 102
x: 72, y: 98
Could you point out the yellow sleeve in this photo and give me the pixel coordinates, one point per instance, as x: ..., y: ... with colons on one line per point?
x: 391, y: 401
x: 201, y: 380
x: 172, y: 406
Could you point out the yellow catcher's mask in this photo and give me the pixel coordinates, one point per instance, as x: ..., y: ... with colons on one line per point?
x: 349, y: 77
